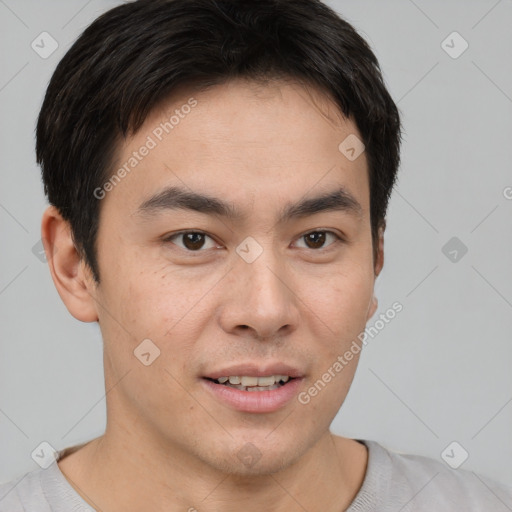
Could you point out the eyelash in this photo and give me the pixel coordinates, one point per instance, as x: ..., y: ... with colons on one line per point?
x: 339, y: 239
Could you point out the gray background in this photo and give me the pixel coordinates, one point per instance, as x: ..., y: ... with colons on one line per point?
x: 439, y: 372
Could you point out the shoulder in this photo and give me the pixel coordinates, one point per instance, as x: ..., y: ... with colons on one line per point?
x: 418, y: 484
x: 23, y: 493
x: 42, y: 490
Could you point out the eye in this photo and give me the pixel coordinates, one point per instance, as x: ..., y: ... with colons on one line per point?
x: 192, y: 240
x: 316, y: 239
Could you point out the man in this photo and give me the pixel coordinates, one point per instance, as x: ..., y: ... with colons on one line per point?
x: 218, y: 174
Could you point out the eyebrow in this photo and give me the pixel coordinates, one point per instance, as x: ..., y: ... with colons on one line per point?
x: 177, y: 198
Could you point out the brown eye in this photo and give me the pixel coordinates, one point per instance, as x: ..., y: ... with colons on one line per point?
x: 316, y: 239
x: 192, y: 241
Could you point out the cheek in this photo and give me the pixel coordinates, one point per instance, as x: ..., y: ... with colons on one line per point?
x: 343, y: 307
x: 341, y: 301
x: 162, y: 306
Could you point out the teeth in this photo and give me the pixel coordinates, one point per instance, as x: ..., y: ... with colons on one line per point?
x: 252, y: 388
x: 263, y: 381
x: 258, y: 388
x: 253, y: 382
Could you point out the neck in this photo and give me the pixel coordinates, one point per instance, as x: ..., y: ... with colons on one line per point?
x: 124, y: 470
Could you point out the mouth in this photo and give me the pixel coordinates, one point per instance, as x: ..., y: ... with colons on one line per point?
x: 253, y: 394
x: 252, y: 384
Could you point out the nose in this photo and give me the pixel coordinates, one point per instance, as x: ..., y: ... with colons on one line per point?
x: 259, y: 299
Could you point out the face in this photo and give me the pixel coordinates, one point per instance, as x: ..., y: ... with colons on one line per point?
x: 258, y: 289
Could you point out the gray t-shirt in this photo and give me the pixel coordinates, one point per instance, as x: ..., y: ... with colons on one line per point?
x: 393, y: 482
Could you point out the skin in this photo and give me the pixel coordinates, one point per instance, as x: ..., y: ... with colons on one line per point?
x: 168, y: 444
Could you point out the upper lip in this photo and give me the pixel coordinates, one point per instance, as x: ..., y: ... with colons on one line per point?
x: 255, y: 370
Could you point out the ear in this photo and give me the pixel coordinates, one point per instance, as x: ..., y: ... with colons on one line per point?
x: 379, y: 257
x: 379, y: 263
x: 372, y: 307
x: 71, y: 276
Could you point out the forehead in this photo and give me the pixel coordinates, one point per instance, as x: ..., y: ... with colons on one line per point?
x: 243, y: 142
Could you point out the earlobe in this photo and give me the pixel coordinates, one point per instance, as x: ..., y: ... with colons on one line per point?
x: 374, y: 304
x: 70, y: 275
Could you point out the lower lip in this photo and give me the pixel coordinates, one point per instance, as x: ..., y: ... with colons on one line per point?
x: 254, y: 401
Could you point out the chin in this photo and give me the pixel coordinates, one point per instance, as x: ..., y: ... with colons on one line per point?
x: 254, y: 458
